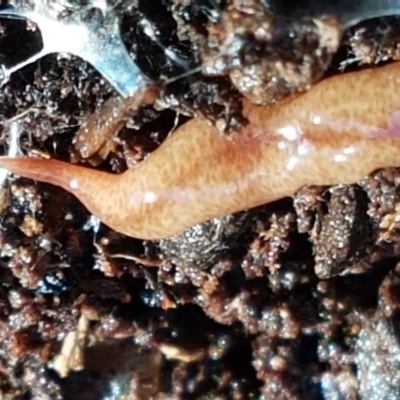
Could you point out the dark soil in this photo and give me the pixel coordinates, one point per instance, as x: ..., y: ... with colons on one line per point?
x: 298, y: 299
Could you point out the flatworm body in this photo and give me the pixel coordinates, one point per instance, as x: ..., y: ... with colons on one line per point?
x: 344, y: 128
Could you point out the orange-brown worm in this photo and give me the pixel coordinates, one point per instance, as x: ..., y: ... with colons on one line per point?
x: 342, y: 129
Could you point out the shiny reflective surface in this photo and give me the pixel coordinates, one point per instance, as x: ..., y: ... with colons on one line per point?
x: 89, y: 32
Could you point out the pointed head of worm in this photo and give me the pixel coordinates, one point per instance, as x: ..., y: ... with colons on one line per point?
x: 81, y: 182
